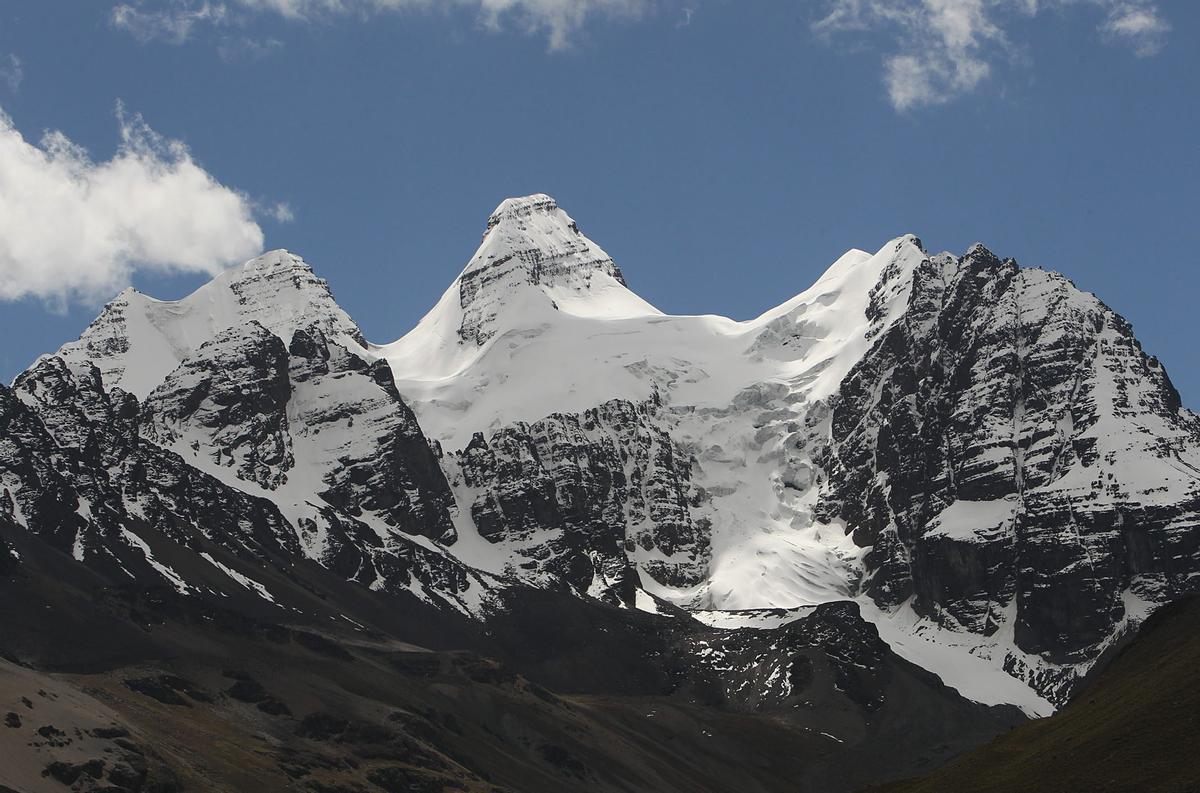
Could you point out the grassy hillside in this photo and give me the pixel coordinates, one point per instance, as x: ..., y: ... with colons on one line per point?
x: 1136, y: 728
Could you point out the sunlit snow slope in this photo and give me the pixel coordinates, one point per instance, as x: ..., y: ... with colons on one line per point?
x: 551, y: 295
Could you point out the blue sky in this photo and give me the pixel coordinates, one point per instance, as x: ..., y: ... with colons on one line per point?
x: 723, y: 152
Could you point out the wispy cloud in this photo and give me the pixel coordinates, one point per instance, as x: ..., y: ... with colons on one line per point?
x: 1139, y: 25
x: 72, y: 227
x: 558, y: 20
x: 12, y: 72
x: 234, y: 49
x: 170, y: 21
x: 933, y: 51
x: 937, y: 50
x: 280, y: 212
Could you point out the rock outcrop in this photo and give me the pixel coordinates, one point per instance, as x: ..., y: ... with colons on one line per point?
x: 1009, y: 445
x: 585, y: 497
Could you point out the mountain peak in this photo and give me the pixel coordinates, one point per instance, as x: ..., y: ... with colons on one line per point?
x: 533, y: 250
x: 274, y: 268
x: 278, y: 259
x: 520, y: 207
x: 980, y: 253
x: 533, y: 270
x: 534, y: 232
x: 277, y: 289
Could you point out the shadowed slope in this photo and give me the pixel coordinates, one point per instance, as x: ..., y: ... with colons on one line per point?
x: 1136, y: 728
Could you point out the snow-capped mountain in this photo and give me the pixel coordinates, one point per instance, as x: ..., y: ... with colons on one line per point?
x: 979, y: 455
x: 137, y: 340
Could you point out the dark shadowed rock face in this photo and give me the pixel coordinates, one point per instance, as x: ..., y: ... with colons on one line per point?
x: 79, y: 474
x: 246, y: 402
x: 583, y: 495
x: 829, y: 647
x: 229, y: 398
x: 1009, y: 443
x: 86, y: 482
x: 38, y: 494
x: 364, y: 440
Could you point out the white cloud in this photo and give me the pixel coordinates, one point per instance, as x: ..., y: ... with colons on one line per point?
x: 12, y: 72
x: 281, y: 212
x: 559, y: 20
x: 71, y: 227
x: 942, y: 49
x: 1140, y: 26
x: 171, y: 21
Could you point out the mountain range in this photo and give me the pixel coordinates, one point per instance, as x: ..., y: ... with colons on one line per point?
x: 555, y: 539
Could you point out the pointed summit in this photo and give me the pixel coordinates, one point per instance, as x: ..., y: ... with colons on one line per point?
x: 277, y: 289
x: 531, y: 242
x: 534, y: 269
x: 520, y: 207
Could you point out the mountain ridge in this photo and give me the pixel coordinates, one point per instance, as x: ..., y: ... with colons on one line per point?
x: 170, y: 329
x: 943, y: 440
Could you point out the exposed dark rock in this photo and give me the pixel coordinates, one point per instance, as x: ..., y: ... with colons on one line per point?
x: 600, y: 484
x: 228, y: 401
x: 70, y: 773
x: 972, y: 449
x: 159, y: 688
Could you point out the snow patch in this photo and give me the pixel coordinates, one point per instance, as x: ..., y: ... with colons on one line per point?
x: 244, y: 580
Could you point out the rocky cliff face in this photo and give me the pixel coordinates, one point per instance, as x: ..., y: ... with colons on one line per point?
x: 581, y: 497
x: 229, y: 399
x: 363, y: 441
x: 79, y: 477
x: 1009, y: 446
x: 980, y: 455
x: 123, y: 487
